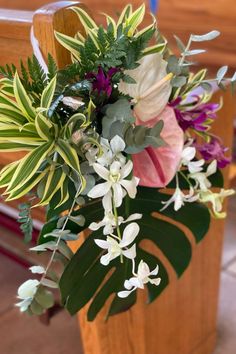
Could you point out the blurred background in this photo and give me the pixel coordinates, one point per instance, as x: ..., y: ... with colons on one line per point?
x: 57, y: 333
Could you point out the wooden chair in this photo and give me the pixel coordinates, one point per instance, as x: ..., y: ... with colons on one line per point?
x: 183, y: 319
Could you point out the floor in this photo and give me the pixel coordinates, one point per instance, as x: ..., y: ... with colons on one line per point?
x: 62, y: 336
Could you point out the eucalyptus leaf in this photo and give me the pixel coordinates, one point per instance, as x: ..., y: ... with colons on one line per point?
x: 205, y: 37
x: 221, y: 73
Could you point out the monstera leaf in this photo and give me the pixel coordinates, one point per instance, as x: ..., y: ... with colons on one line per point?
x: 85, y: 279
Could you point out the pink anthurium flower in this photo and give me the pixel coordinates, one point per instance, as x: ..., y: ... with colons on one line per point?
x: 157, y: 166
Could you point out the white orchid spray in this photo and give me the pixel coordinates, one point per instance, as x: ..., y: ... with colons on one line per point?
x: 142, y: 277
x: 109, y: 146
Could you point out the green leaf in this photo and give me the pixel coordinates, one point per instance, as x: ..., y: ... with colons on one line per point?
x: 43, y: 126
x: 85, y: 19
x: 69, y: 43
x: 28, y: 166
x: 22, y: 99
x: 205, y: 37
x: 48, y: 93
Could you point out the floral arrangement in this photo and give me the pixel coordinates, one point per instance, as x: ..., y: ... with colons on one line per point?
x: 118, y: 143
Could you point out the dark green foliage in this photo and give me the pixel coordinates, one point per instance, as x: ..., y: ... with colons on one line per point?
x: 82, y: 278
x: 8, y: 71
x: 26, y: 221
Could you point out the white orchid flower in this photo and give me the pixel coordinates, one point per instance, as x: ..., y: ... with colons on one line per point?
x: 109, y: 222
x: 179, y: 199
x: 201, y: 178
x: 152, y: 89
x: 26, y: 293
x: 216, y: 199
x: 188, y: 155
x: 111, y: 151
x: 116, y: 247
x: 140, y: 279
x: 115, y: 182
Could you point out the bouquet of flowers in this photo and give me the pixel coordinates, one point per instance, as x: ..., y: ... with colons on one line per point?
x: 117, y: 143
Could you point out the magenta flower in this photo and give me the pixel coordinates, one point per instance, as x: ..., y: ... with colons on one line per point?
x: 194, y: 117
x: 102, y: 81
x: 214, y: 151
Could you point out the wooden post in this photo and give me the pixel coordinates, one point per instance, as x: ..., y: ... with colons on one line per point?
x: 56, y: 17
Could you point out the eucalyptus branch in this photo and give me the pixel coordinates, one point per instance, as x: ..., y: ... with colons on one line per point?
x: 60, y: 236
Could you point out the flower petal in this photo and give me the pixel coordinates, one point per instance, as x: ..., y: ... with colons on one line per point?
x: 130, y: 186
x: 150, y: 72
x: 130, y: 253
x: 161, y: 163
x: 102, y: 243
x: 101, y: 171
x: 117, y: 144
x: 126, y: 169
x: 124, y: 293
x: 99, y: 190
x: 130, y: 233
x: 118, y: 194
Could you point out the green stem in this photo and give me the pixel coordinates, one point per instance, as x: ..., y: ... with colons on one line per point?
x: 117, y: 227
x: 59, y: 238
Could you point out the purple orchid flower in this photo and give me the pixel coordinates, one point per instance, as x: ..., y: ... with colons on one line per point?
x: 102, y: 81
x: 194, y: 117
x: 214, y: 150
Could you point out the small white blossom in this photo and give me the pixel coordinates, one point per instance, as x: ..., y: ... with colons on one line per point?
x: 26, y: 293
x: 201, y: 178
x: 109, y: 222
x: 37, y: 269
x: 111, y: 151
x: 140, y: 279
x: 188, y: 155
x: 116, y: 247
x: 179, y: 198
x: 216, y: 199
x: 116, y: 182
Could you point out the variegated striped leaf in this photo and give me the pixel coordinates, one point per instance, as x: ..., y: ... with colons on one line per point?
x: 43, y: 126
x: 54, y: 182
x: 48, y: 93
x: 29, y: 166
x: 26, y: 187
x: 135, y: 19
x: 7, y: 172
x: 69, y: 43
x: 22, y: 99
x: 157, y: 48
x: 127, y: 11
x: 85, y: 19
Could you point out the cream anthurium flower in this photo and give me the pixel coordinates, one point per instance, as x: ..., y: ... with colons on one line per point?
x: 179, y: 199
x: 115, y: 181
x: 109, y: 222
x: 216, y: 199
x: 26, y: 293
x: 188, y: 155
x: 200, y: 178
x: 152, y: 89
x: 140, y: 279
x: 116, y: 247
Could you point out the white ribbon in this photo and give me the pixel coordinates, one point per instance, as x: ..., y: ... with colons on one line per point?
x: 37, y: 52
